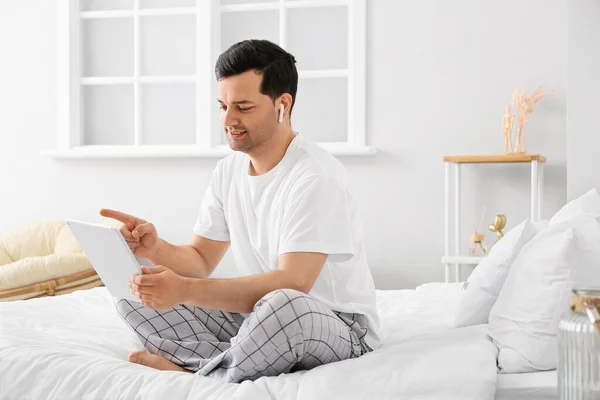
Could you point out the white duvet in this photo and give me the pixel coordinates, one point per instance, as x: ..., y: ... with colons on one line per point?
x: 75, y: 347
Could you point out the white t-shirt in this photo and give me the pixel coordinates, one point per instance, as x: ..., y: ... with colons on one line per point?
x: 303, y: 204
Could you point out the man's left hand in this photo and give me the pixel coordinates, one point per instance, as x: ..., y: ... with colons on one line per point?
x: 158, y: 288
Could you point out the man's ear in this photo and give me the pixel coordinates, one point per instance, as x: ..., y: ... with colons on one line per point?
x: 286, y: 100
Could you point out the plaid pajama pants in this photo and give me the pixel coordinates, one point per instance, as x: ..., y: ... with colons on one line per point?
x: 287, y: 331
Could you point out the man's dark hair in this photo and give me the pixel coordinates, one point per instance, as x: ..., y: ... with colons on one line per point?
x: 279, y: 74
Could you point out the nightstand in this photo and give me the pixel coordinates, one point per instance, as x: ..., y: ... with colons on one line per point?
x: 452, y: 201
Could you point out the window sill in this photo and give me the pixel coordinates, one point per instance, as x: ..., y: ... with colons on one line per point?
x: 132, y: 152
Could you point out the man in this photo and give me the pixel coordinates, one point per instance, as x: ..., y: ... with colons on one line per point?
x: 307, y: 297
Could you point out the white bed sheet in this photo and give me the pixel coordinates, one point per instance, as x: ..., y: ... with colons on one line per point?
x: 532, y: 385
x: 75, y: 346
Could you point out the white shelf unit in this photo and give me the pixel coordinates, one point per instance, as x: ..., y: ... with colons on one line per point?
x: 452, y: 202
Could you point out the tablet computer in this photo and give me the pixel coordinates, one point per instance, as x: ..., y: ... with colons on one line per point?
x: 109, y: 254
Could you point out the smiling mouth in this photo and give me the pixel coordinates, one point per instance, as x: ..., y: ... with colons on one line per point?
x: 237, y: 134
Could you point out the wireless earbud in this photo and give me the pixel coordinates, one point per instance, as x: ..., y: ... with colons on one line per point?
x: 281, y: 108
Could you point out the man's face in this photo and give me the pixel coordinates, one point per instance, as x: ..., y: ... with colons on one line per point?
x: 248, y: 116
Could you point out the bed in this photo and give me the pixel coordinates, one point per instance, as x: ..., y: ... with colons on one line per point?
x: 75, y: 346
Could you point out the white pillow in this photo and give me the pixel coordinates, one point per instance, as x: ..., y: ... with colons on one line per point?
x: 482, y: 288
x: 587, y: 204
x: 524, y: 320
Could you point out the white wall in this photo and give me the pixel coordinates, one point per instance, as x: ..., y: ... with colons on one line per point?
x: 439, y: 76
x: 583, y: 112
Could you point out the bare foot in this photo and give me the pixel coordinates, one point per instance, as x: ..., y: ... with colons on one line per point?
x: 154, y: 361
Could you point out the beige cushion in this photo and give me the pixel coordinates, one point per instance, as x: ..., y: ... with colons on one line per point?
x: 39, y: 252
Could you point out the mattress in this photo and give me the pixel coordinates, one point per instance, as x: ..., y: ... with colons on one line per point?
x: 75, y: 346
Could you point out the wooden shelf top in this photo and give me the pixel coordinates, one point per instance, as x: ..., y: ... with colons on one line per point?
x: 495, y: 158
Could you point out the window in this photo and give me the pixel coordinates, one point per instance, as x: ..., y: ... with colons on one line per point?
x: 136, y: 77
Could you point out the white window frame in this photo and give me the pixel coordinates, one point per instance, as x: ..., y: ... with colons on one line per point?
x: 208, y: 17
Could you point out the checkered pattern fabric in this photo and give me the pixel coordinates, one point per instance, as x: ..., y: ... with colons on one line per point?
x: 287, y: 331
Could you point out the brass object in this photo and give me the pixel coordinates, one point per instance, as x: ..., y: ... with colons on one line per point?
x: 498, y: 225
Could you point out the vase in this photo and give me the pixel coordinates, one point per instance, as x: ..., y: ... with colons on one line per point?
x: 579, y: 348
x: 519, y: 148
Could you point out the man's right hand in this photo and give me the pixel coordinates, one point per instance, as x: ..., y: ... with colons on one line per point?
x: 140, y: 235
